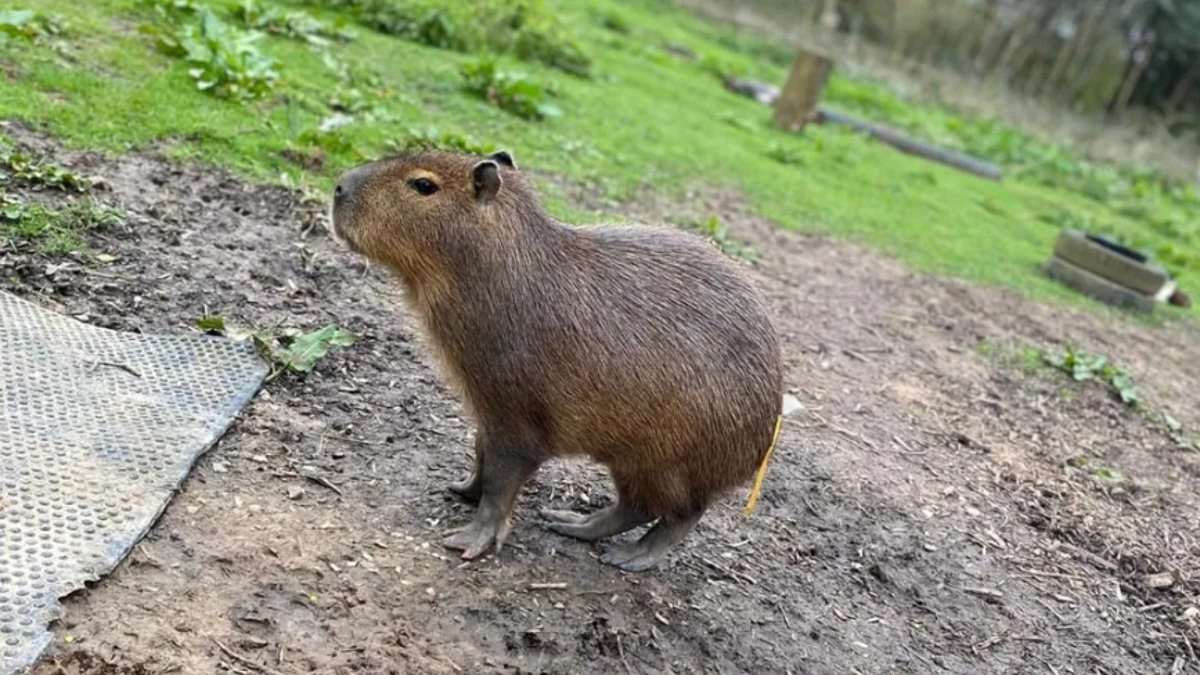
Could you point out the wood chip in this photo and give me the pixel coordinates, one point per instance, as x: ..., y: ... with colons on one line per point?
x: 985, y: 592
x: 1159, y: 581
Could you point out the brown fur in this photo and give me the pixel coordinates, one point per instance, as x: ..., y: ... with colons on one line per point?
x: 642, y: 348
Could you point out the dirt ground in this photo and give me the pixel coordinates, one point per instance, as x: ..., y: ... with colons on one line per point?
x: 935, y: 507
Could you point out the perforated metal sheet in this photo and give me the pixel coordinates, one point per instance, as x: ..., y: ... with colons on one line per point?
x: 97, y: 429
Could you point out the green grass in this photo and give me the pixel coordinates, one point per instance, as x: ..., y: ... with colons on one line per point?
x: 640, y: 119
x: 54, y: 230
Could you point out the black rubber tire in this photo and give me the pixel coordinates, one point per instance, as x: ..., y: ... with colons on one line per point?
x: 1076, y: 248
x: 1096, y: 286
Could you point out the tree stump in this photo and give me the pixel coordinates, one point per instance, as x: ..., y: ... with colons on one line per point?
x: 797, y: 103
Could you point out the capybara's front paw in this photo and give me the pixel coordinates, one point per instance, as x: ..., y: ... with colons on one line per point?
x: 475, y: 539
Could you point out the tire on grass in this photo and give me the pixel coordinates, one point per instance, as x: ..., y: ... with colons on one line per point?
x: 1096, y: 286
x: 1110, y: 261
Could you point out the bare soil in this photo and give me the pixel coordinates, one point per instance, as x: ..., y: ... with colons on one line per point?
x: 939, y: 505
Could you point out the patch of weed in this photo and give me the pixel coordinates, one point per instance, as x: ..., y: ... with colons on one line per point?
x: 784, y: 154
x: 18, y: 166
x: 26, y: 24
x: 508, y: 90
x: 54, y: 231
x: 527, y: 29
x: 716, y: 231
x: 285, y: 350
x: 1082, y: 366
x: 615, y: 22
x: 295, y: 24
x: 225, y: 61
x: 432, y: 138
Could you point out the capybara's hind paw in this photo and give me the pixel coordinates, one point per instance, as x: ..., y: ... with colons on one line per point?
x: 475, y: 539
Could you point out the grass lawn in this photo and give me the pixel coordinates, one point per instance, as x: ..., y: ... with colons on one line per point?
x: 645, y: 118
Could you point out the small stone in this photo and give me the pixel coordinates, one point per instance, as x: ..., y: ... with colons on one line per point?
x: 220, y: 467
x: 295, y: 493
x: 791, y: 404
x: 261, y: 459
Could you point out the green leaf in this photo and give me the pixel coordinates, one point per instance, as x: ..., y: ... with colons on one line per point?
x: 211, y: 324
x: 306, y: 350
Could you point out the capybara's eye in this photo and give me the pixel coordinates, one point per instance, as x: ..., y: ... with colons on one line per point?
x: 424, y: 186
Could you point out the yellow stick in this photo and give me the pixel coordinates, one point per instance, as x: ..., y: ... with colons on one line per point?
x: 762, y: 470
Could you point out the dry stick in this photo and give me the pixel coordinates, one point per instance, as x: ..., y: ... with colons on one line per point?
x: 621, y: 653
x: 552, y: 586
x: 243, y: 660
x: 907, y: 449
x: 987, y: 592
x: 119, y: 366
x: 324, y: 482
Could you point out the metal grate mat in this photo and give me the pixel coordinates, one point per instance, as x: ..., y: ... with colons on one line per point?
x: 97, y: 429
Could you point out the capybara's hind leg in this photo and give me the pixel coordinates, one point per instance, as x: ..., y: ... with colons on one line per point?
x: 618, y: 518
x: 503, y: 474
x: 646, y: 552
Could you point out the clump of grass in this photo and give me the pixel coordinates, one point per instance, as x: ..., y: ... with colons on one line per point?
x: 784, y: 154
x: 615, y: 22
x: 296, y: 24
x: 717, y: 231
x: 527, y: 29
x: 225, y: 61
x: 432, y: 138
x: 1082, y: 366
x: 54, y: 231
x: 508, y: 90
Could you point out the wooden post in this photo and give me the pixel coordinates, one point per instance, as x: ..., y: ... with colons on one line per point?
x: 798, y: 101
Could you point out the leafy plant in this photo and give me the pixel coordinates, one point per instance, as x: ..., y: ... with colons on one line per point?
x: 510, y: 91
x: 1082, y: 366
x: 20, y: 166
x: 26, y: 24
x: 524, y: 28
x: 225, y: 61
x: 431, y: 138
x: 286, y: 350
x: 296, y: 24
x: 211, y: 324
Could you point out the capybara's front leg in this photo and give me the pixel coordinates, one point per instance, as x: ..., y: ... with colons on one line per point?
x: 503, y: 470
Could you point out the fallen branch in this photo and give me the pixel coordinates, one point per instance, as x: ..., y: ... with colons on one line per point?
x: 912, y: 146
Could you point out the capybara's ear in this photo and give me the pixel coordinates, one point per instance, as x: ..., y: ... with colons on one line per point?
x: 504, y: 157
x: 486, y: 177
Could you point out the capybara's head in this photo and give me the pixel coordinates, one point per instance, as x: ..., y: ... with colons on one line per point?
x: 417, y: 211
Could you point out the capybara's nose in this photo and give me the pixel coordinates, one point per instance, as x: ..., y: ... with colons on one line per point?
x: 348, y: 184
